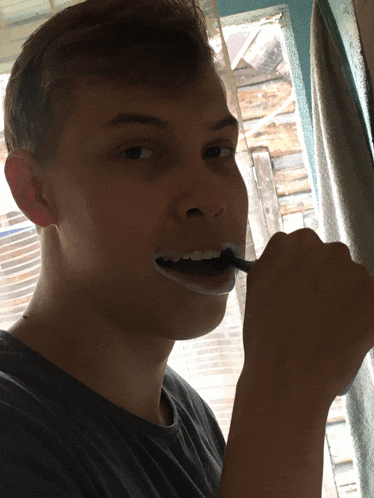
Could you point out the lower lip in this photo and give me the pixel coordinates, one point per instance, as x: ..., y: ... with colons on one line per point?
x: 222, y: 283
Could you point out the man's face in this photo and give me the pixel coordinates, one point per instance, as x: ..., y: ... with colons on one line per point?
x: 119, y: 194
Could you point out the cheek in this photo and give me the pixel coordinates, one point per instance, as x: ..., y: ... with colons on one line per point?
x: 126, y: 208
x: 242, y: 201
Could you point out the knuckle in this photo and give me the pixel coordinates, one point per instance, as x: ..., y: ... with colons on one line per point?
x: 304, y: 232
x: 341, y: 247
x: 279, y: 234
x: 276, y: 238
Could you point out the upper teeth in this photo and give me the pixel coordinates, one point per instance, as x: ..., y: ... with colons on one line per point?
x: 195, y: 256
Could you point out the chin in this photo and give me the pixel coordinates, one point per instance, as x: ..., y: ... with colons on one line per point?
x: 206, y: 324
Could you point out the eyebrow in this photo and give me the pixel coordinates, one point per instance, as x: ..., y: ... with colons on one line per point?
x: 122, y: 119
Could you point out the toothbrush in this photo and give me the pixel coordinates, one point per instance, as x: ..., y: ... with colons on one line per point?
x: 241, y: 264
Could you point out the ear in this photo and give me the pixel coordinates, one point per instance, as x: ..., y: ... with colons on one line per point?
x: 26, y: 188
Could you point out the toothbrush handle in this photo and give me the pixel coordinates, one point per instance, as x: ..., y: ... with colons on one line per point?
x: 242, y: 264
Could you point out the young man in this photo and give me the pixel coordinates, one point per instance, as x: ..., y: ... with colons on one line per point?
x: 88, y: 404
x: 103, y: 319
x: 118, y: 195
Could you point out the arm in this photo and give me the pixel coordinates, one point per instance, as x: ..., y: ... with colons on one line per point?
x: 275, y: 445
x: 308, y: 325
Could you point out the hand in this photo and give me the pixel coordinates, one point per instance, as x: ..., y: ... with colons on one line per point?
x: 309, y: 316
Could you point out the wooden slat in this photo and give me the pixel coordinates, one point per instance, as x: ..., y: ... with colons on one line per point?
x: 329, y: 486
x: 267, y: 190
x: 258, y: 101
x: 291, y: 180
x: 20, y: 277
x: 297, y: 203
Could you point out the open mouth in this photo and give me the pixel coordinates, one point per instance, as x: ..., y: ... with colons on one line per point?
x: 208, y: 267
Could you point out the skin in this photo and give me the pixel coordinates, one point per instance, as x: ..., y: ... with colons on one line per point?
x: 100, y: 311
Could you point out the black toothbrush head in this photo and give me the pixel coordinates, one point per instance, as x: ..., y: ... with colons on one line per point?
x: 241, y: 264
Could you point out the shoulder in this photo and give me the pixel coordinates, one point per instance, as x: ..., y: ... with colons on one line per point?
x: 30, y: 447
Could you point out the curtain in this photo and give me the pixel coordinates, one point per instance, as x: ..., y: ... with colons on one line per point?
x: 343, y: 125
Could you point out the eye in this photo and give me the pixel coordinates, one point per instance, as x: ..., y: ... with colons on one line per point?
x: 134, y: 152
x: 217, y: 148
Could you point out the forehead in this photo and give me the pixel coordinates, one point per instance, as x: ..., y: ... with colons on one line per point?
x: 97, y: 101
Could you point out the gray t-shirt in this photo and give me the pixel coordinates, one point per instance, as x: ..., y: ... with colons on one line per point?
x: 59, y: 438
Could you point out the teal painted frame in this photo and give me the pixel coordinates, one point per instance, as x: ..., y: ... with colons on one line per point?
x: 297, y: 41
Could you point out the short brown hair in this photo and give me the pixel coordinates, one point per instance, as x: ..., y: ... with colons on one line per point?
x: 162, y: 43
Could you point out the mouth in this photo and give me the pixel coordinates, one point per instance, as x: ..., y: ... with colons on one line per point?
x: 205, y: 267
x: 212, y: 277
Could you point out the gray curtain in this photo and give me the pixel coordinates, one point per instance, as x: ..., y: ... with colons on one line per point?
x: 344, y: 164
